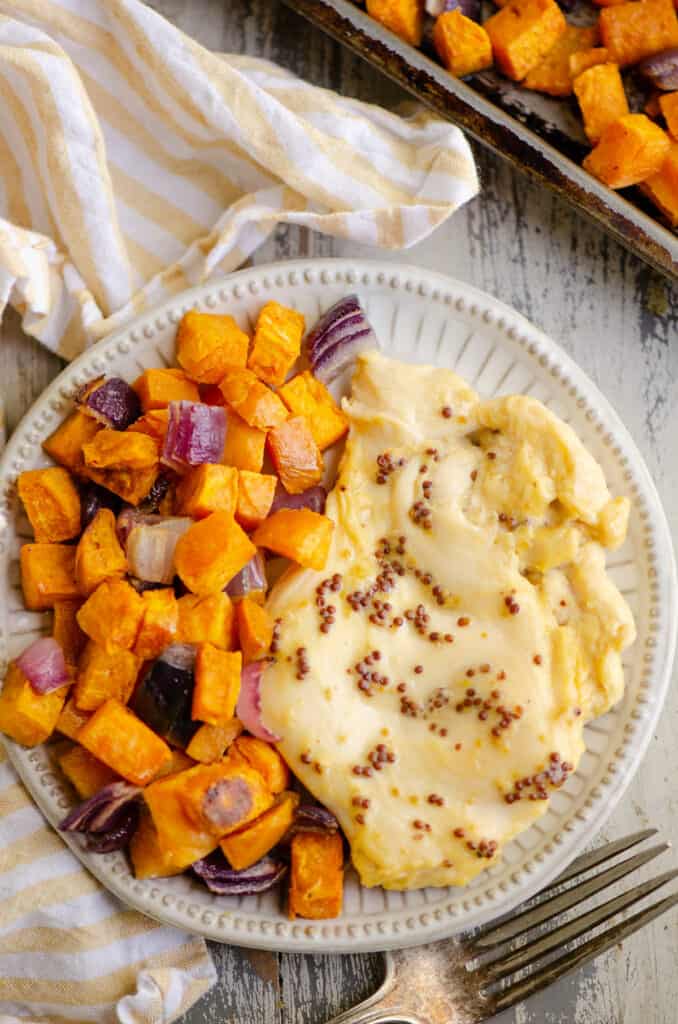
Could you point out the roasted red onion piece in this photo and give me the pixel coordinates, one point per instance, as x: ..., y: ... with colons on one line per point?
x: 220, y: 878
x: 162, y: 484
x: 313, y: 818
x: 101, y: 812
x: 119, y: 833
x: 313, y: 498
x: 44, y: 665
x: 251, y: 577
x: 661, y: 69
x: 164, y: 697
x: 195, y: 434
x: 150, y: 548
x: 112, y: 401
x: 92, y: 499
x: 469, y: 8
x: 337, y: 338
x: 248, y: 709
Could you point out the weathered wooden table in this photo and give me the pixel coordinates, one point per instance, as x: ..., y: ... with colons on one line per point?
x: 618, y: 321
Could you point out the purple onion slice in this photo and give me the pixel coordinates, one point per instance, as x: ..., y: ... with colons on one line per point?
x: 661, y: 69
x: 251, y: 577
x: 248, y: 709
x: 314, y: 818
x: 119, y: 833
x: 100, y: 812
x: 220, y: 878
x: 44, y: 665
x: 313, y: 498
x: 469, y: 8
x: 196, y: 433
x: 337, y: 338
x: 111, y: 401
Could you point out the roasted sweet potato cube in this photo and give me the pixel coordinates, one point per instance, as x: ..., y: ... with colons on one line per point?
x: 179, y: 762
x: 552, y: 74
x: 217, y: 684
x: 208, y: 343
x: 316, y: 875
x: 601, y: 97
x: 159, y: 624
x: 123, y: 461
x: 244, y: 447
x: 632, y: 31
x: 299, y: 534
x: 305, y: 395
x: 28, y: 717
x: 117, y: 737
x: 52, y: 503
x: 65, y: 445
x: 246, y: 847
x: 149, y: 858
x: 211, y: 552
x: 463, y: 45
x: 206, y: 619
x: 522, y: 33
x: 47, y: 574
x: 662, y: 187
x: 86, y: 773
x: 223, y: 797
x: 295, y: 455
x: 253, y: 401
x: 178, y: 841
x: 255, y: 629
x: 255, y: 497
x: 67, y: 632
x: 277, y: 342
x: 112, y: 614
x: 154, y: 424
x: 266, y: 760
x: 71, y: 719
x: 668, y: 104
x: 99, y: 555
x: 210, y: 742
x: 158, y: 387
x: 630, y: 150
x: 582, y: 60
x: 207, y: 488
x: 405, y: 18
x: 103, y: 674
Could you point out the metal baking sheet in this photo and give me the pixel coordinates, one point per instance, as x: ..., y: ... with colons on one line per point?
x: 539, y: 135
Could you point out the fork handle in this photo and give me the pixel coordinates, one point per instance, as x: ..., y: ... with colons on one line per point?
x: 378, y: 1016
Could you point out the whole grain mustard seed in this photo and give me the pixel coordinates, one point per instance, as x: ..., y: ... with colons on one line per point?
x: 446, y: 412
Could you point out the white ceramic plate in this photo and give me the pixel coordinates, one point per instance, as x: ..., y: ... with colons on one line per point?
x: 421, y: 317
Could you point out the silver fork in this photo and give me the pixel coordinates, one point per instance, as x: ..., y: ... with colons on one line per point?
x: 466, y: 980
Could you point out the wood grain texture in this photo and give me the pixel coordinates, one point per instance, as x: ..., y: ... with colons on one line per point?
x: 618, y: 320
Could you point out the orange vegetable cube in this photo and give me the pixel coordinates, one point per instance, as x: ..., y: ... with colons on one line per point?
x: 154, y: 423
x: 305, y: 395
x: 632, y: 31
x: 244, y: 447
x: 85, y: 772
x: 207, y: 488
x: 52, y: 503
x: 662, y: 187
x: 522, y: 33
x: 103, y: 674
x: 178, y: 762
x: 67, y: 632
x: 158, y: 387
x: 208, y: 343
x: 223, y: 797
x: 255, y: 497
x: 552, y: 74
x: 295, y: 455
x: 255, y: 629
x: 99, y: 555
x: 47, y: 574
x: 668, y: 104
x: 117, y: 737
x: 179, y: 841
x: 217, y: 685
x: 66, y: 443
x: 123, y: 461
x: 211, y: 552
x: 149, y: 858
x: 266, y: 760
x: 71, y: 719
x: 111, y: 616
x: 277, y: 342
x: 316, y: 875
x: 299, y: 534
x: 209, y: 619
x: 28, y: 717
x: 463, y: 45
x: 582, y: 60
x: 601, y: 97
x: 244, y: 848
x: 630, y: 150
x: 210, y: 742
x: 159, y: 624
x: 253, y: 401
x: 405, y: 18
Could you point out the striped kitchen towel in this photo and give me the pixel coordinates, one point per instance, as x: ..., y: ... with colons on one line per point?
x: 133, y: 164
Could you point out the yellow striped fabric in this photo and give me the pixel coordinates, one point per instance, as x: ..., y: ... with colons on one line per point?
x: 135, y: 163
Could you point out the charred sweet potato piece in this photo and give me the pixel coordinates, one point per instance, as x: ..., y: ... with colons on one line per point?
x: 123, y: 461
x: 178, y: 841
x: 99, y: 556
x: 316, y: 875
x: 208, y: 343
x: 52, y: 503
x: 662, y: 187
x: 295, y: 455
x: 668, y: 104
x: 67, y: 632
x: 210, y: 742
x: 630, y: 150
x: 246, y: 847
x: 47, y: 574
x: 601, y: 97
x: 255, y: 497
x: 632, y: 31
x: 217, y: 684
x: 405, y: 18
x: 522, y: 33
x: 111, y: 616
x: 277, y: 342
x: 552, y: 74
x: 266, y: 760
x: 253, y: 401
x: 207, y: 619
x: 85, y: 772
x: 71, y: 719
x: 223, y: 797
x: 154, y: 424
x: 582, y: 60
x: 305, y: 395
x: 28, y: 717
x: 103, y: 674
x: 463, y: 45
x: 117, y: 737
x: 149, y: 858
x: 255, y: 629
x: 66, y: 443
x: 158, y: 387
x: 211, y: 552
x: 299, y: 534
x: 244, y: 447
x: 207, y: 488
x: 159, y: 624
